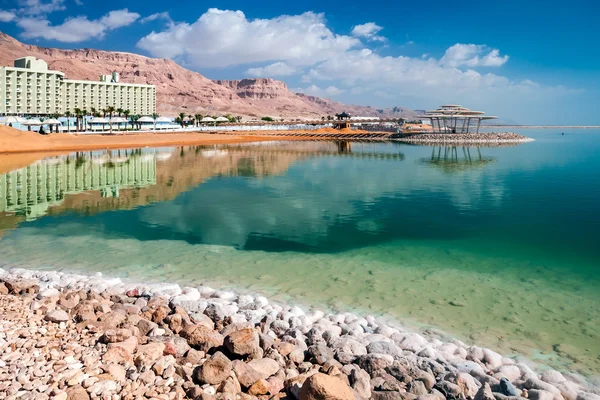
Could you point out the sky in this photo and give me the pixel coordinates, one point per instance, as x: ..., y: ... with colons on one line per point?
x: 528, y: 62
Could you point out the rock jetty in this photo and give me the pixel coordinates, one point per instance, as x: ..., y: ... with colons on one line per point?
x: 65, y: 336
x: 459, y: 138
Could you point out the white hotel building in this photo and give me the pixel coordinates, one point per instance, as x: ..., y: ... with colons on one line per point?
x: 30, y: 88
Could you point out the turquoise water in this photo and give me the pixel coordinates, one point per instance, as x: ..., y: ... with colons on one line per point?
x: 495, y: 245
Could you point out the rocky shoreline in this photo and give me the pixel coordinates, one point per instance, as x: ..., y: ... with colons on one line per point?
x: 66, y: 336
x: 466, y: 138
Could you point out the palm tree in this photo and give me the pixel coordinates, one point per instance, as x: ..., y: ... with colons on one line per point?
x: 155, y: 117
x: 181, y: 118
x: 126, y: 113
x: 83, y: 123
x: 119, y: 111
x: 67, y: 116
x: 238, y: 118
x: 198, y: 118
x: 77, y: 112
x: 93, y: 111
x: 134, y: 120
x: 110, y: 110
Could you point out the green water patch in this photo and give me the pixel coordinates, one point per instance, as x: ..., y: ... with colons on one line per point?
x: 500, y: 302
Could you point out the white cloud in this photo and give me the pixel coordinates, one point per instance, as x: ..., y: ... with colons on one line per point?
x: 37, y: 7
x: 222, y: 38
x: 276, y: 69
x: 119, y: 18
x: 366, y: 66
x: 162, y: 15
x: 473, y: 55
x: 369, y: 31
x: 314, y: 90
x: 76, y: 29
x: 7, y: 16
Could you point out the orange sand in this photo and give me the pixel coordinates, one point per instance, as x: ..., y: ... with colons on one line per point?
x: 17, y: 141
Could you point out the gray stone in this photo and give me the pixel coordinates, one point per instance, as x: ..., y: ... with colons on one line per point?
x: 485, y: 393
x: 384, y: 348
x: 57, y: 316
x: 507, y: 388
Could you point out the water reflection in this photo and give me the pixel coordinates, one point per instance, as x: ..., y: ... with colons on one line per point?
x: 32, y: 190
x: 99, y: 181
x: 452, y: 159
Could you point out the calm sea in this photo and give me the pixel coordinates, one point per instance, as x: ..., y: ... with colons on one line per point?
x: 498, y: 246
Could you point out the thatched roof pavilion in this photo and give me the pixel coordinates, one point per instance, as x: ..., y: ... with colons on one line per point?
x: 452, y: 118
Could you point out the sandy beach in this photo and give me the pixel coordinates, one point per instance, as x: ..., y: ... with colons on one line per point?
x: 17, y: 141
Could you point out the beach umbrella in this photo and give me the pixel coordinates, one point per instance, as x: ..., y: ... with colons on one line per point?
x: 163, y: 119
x: 146, y: 119
x: 221, y: 119
x: 208, y: 119
x: 33, y: 122
x: 12, y: 120
x: 52, y: 122
x: 99, y: 121
x: 117, y: 120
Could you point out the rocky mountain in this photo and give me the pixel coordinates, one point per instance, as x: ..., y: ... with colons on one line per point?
x: 181, y: 90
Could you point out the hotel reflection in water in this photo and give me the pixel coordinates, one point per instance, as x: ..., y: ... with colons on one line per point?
x: 30, y: 191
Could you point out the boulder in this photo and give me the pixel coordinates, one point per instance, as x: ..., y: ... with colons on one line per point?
x: 260, y: 387
x: 468, y: 385
x: 77, y: 393
x: 148, y: 354
x: 381, y: 347
x: 507, y: 388
x: 265, y: 367
x: 325, y: 387
x: 541, y: 385
x: 214, y: 370
x: 319, y: 354
x: 375, y: 362
x: 246, y: 375
x: 230, y: 385
x: 117, y: 355
x: 201, y: 337
x: 145, y: 326
x: 243, y: 342
x: 485, y: 393
x: 360, y: 382
x: 130, y: 344
x: 57, y: 316
x: 116, y: 335
x: 537, y: 394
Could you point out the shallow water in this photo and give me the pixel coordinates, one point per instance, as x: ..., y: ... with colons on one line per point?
x: 495, y: 245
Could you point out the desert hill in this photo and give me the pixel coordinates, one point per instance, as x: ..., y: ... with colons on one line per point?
x: 182, y: 90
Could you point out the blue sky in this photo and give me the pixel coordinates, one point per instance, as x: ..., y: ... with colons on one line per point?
x: 526, y: 61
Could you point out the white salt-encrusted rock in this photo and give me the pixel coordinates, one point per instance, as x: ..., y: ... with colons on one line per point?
x: 50, y: 292
x: 410, y: 341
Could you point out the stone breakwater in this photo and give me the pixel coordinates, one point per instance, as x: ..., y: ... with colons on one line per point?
x: 482, y: 137
x: 65, y: 336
